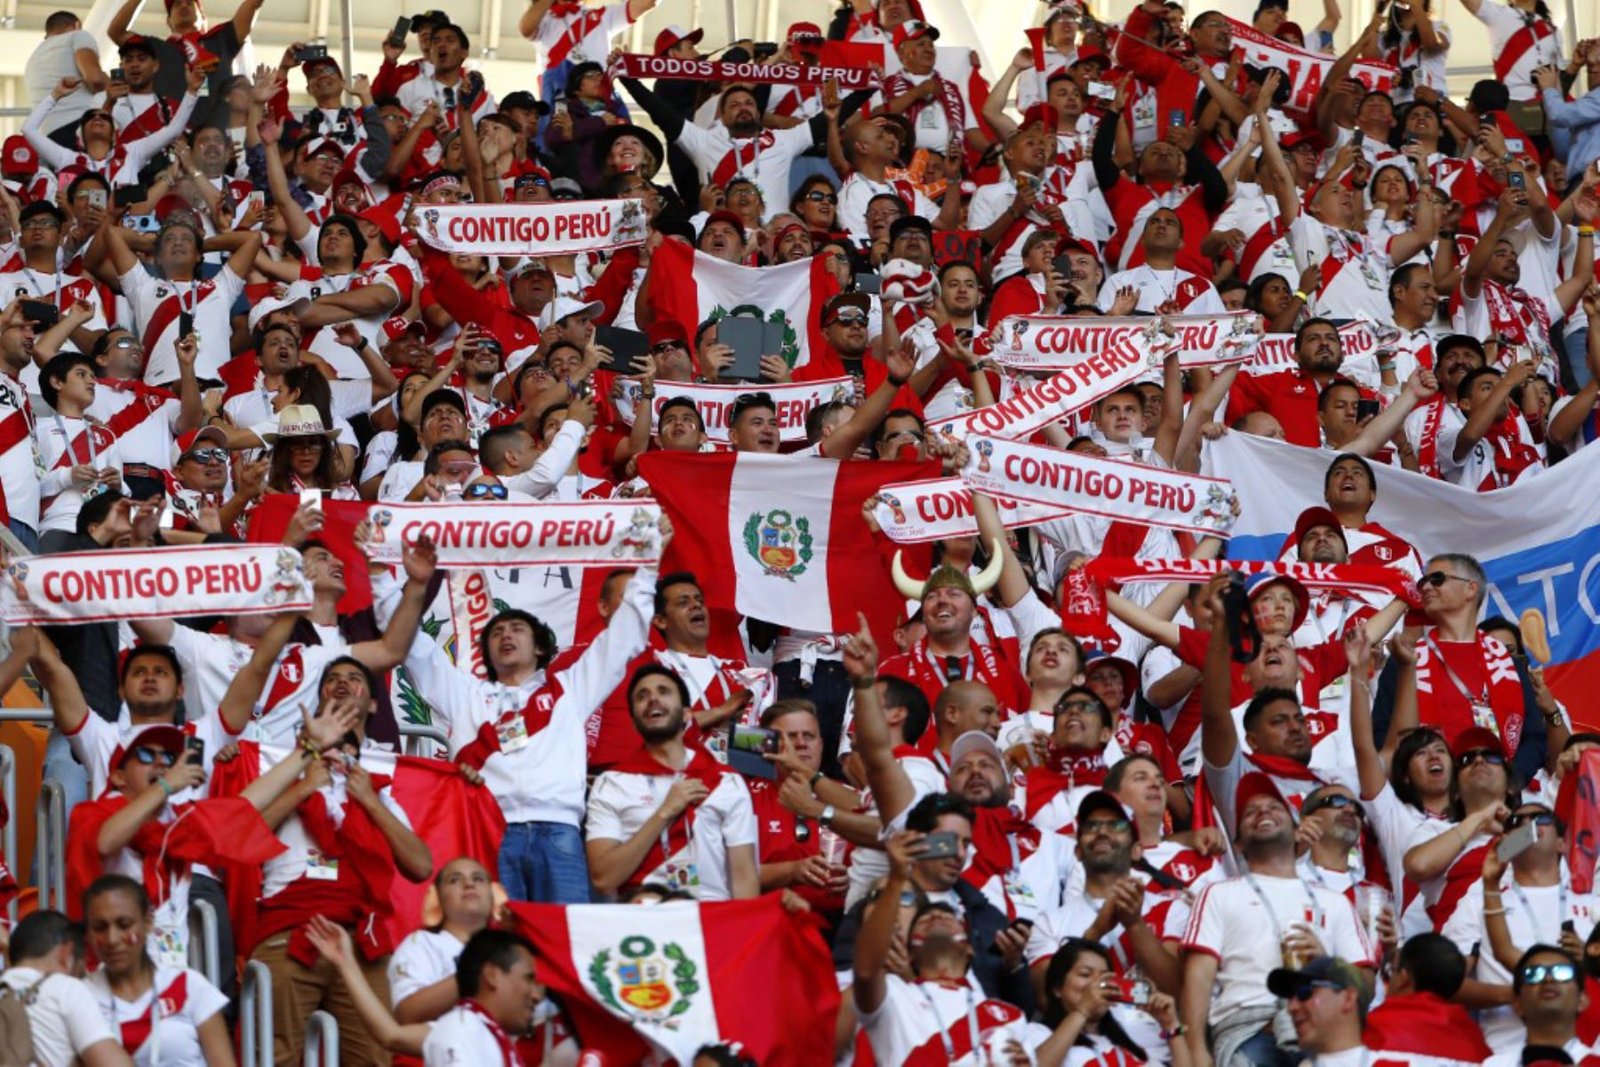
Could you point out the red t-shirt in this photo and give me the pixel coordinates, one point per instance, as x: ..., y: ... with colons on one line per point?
x: 1319, y: 665
x: 1289, y: 396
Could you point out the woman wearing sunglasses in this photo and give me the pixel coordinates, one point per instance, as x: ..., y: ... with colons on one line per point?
x: 817, y: 204
x: 1092, y: 1018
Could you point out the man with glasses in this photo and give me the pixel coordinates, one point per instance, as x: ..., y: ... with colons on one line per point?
x: 1332, y: 820
x: 148, y: 418
x: 1245, y: 928
x: 1528, y: 902
x: 199, y: 475
x: 1468, y: 679
x: 1328, y: 1000
x: 40, y: 277
x: 1547, y: 995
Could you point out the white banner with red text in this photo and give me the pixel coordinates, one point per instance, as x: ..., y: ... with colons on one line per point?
x: 1306, y: 70
x: 153, y: 583
x: 1053, y: 343
x: 1333, y: 577
x: 598, y: 533
x: 850, y: 79
x: 793, y: 400
x: 1358, y: 341
x: 1113, y: 488
x: 553, y: 229
x: 471, y: 608
x: 931, y: 510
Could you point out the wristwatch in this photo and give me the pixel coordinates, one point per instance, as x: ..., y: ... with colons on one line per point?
x: 826, y: 818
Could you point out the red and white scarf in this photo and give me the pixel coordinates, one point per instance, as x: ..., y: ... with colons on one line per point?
x: 703, y: 768
x: 135, y: 1032
x: 1450, y: 709
x: 508, y: 1048
x: 1513, y: 311
x: 955, y: 110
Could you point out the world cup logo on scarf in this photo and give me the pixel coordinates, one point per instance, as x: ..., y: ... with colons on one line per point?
x: 985, y: 449
x: 894, y: 506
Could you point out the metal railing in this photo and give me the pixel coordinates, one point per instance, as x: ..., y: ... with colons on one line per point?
x: 203, y: 951
x: 255, y: 1016
x: 50, y: 845
x: 322, y: 1040
x: 413, y: 734
x: 39, y: 715
x: 8, y: 835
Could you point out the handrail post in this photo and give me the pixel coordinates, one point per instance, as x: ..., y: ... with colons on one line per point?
x: 322, y: 1040
x: 255, y: 1016
x: 50, y: 845
x: 8, y: 836
x: 203, y: 941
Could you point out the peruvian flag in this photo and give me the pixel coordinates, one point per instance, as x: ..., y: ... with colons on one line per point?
x: 689, y: 287
x: 1578, y: 806
x: 453, y: 817
x: 681, y: 975
x: 794, y: 548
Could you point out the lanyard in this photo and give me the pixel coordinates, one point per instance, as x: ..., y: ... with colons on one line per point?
x: 1456, y: 679
x: 941, y: 670
x: 688, y: 828
x: 1312, y: 909
x: 28, y: 274
x: 944, y: 1033
x: 1533, y: 916
x: 66, y: 440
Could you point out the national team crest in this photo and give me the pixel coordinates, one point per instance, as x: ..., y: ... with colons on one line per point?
x: 644, y: 985
x: 779, y: 542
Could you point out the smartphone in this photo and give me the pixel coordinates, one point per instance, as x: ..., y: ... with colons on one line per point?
x: 129, y: 195
x: 307, y: 53
x: 116, y: 74
x: 311, y: 498
x: 747, y: 749
x: 1241, y: 621
x: 1366, y: 409
x: 558, y: 108
x: 1062, y: 265
x: 97, y: 199
x: 940, y: 846
x: 1515, y: 179
x: 1517, y: 842
x: 1410, y: 138
x: 1357, y: 137
x: 869, y: 284
x: 197, y: 749
x: 746, y: 337
x: 141, y: 223
x: 185, y: 324
x: 256, y: 201
x: 402, y: 26
x: 1102, y: 91
x: 1134, y: 991
x: 625, y: 345
x: 41, y: 313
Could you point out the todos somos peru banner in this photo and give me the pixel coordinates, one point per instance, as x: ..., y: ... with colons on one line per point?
x: 1306, y: 70
x: 1538, y: 541
x: 517, y: 534
x: 793, y: 400
x: 153, y: 583
x: 850, y: 79
x: 556, y: 228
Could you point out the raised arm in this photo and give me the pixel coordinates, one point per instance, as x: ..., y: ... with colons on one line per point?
x: 1420, y: 388
x: 891, y: 787
x: 419, y: 560
x: 1483, y: 414
x: 239, y: 702
x: 879, y: 925
x: 1219, y: 738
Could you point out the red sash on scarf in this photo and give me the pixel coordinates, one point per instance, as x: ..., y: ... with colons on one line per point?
x: 1466, y: 872
x: 216, y: 831
x: 703, y: 768
x: 1425, y: 1025
x: 508, y: 1051
x: 934, y: 1052
x: 1520, y: 44
x: 577, y: 29
x: 1512, y: 455
x: 1442, y: 704
x: 734, y: 162
x: 359, y: 898
x: 1513, y: 310
x: 1063, y: 770
x: 136, y: 1032
x: 535, y: 717
x: 993, y: 832
x: 955, y: 110
x: 1428, y: 445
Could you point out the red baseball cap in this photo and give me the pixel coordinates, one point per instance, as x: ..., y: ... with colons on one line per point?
x: 397, y: 326
x: 804, y: 31
x: 1257, y: 784
x: 672, y: 36
x: 1311, y: 518
x: 19, y: 157
x: 1474, y: 738
x: 911, y: 29
x: 151, y: 734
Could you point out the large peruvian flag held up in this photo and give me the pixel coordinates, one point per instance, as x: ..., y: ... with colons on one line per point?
x: 794, y: 548
x: 646, y: 984
x: 689, y: 287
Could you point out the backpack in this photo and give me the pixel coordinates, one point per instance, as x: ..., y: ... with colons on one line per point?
x: 16, y: 1032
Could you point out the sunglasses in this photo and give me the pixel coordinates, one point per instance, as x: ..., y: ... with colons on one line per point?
x: 850, y: 316
x: 1334, y: 800
x: 1104, y: 826
x: 1487, y: 755
x: 1438, y: 578
x: 1308, y: 989
x: 1538, y: 818
x: 666, y: 346
x: 209, y: 455
x: 1540, y: 973
x: 485, y: 491
x: 147, y: 755
x: 1066, y: 707
x: 820, y: 197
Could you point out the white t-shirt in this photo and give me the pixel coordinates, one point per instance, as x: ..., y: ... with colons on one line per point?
x: 923, y: 1016
x: 1193, y: 294
x: 1355, y: 273
x: 210, y: 662
x: 157, y: 301
x: 423, y: 958
x: 174, y: 1039
x: 57, y: 433
x: 64, y: 1018
x: 51, y: 60
x: 858, y: 191
x: 620, y: 803
x: 1242, y: 928
x: 460, y: 1037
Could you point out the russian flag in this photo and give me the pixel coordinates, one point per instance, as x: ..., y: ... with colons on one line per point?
x: 1538, y: 541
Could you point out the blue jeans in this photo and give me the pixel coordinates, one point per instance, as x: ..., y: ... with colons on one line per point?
x: 544, y: 863
x: 24, y: 533
x: 1263, y: 1051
